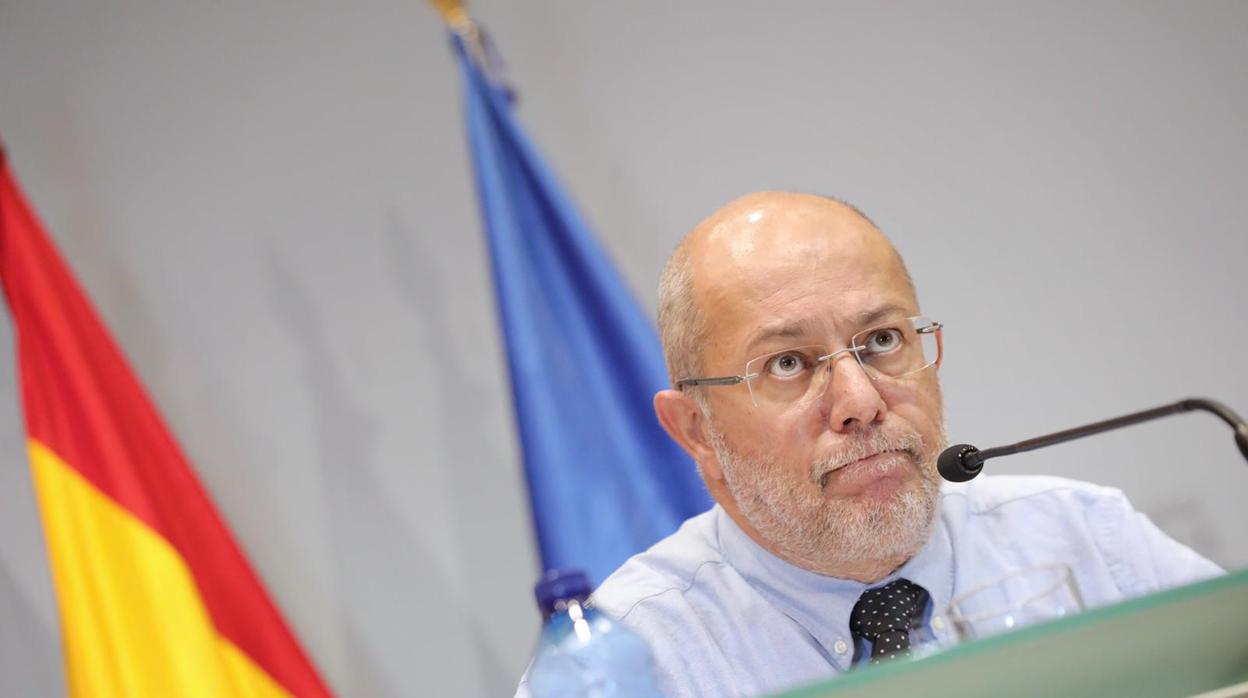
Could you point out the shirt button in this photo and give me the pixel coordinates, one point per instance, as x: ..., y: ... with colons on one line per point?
x: 841, y: 647
x: 938, y: 623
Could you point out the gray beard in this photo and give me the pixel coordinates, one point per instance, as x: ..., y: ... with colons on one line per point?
x: 791, y: 513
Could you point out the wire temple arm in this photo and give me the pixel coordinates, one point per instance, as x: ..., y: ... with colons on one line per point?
x: 725, y: 380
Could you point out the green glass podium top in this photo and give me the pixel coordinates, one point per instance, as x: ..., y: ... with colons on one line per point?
x: 1180, y: 642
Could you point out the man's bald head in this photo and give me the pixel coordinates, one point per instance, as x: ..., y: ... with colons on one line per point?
x: 721, y: 251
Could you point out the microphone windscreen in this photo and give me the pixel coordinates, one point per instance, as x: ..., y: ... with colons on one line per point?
x: 952, y: 463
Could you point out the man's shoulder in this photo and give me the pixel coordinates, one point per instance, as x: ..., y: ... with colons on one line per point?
x: 994, y: 493
x: 662, y: 574
x: 1116, y: 551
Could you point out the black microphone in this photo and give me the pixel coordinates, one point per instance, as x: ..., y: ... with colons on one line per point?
x: 963, y: 462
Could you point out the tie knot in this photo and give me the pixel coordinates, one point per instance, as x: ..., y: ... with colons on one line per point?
x: 891, y: 608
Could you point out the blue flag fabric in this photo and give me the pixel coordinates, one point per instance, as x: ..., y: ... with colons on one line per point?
x: 605, y: 481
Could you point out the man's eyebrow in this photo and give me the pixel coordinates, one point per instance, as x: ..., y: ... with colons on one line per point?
x: 870, y: 317
x: 787, y: 329
x: 780, y: 330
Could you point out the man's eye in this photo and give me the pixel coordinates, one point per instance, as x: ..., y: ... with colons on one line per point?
x: 786, y: 365
x: 884, y: 341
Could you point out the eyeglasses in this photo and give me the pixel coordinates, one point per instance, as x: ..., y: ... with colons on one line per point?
x: 890, y: 350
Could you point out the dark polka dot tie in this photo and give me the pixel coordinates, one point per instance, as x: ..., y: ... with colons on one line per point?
x: 886, y: 615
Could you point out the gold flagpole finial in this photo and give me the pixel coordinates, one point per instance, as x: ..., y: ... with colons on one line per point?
x: 455, y: 14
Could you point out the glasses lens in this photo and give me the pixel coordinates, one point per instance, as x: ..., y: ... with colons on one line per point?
x: 899, y: 348
x: 784, y: 377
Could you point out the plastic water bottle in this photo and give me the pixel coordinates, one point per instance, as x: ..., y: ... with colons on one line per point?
x: 582, y: 652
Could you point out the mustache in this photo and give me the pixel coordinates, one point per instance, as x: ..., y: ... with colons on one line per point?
x: 865, y: 446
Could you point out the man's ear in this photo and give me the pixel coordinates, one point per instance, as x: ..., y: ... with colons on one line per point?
x: 683, y: 420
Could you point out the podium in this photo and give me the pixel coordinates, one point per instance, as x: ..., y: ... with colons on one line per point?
x: 1186, y: 641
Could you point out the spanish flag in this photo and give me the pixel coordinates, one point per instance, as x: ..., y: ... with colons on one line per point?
x: 155, y: 597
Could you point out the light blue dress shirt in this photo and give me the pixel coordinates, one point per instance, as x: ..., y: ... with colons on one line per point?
x: 725, y: 618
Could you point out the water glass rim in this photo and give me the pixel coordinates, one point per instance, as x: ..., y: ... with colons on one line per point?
x: 1064, y: 576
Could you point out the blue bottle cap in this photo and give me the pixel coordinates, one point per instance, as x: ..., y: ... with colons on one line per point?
x: 560, y: 585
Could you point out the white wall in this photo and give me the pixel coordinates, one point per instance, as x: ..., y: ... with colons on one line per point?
x: 270, y: 203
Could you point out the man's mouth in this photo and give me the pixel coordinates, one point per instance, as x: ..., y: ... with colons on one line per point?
x: 866, y: 461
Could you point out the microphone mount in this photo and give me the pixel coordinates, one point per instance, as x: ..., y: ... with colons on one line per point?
x: 963, y: 462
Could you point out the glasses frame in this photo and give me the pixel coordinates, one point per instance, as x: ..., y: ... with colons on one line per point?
x: 933, y: 327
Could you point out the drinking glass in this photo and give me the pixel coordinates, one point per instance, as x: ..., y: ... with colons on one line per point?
x: 1022, y: 597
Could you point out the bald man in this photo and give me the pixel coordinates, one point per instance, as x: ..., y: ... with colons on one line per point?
x: 804, y: 385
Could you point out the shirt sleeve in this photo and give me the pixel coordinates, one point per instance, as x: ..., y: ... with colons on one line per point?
x: 1141, y: 557
x: 677, y: 643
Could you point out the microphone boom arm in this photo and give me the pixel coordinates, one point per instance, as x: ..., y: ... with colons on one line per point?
x: 963, y: 462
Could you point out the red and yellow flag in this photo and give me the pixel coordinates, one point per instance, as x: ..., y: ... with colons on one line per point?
x: 155, y: 597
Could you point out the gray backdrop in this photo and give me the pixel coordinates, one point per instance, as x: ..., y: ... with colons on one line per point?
x: 271, y: 205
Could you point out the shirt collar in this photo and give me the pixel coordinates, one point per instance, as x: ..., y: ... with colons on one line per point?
x: 822, y: 604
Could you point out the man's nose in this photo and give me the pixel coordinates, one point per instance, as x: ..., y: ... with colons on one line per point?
x: 854, y: 398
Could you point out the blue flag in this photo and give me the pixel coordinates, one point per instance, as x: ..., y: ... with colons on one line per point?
x: 605, y: 481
